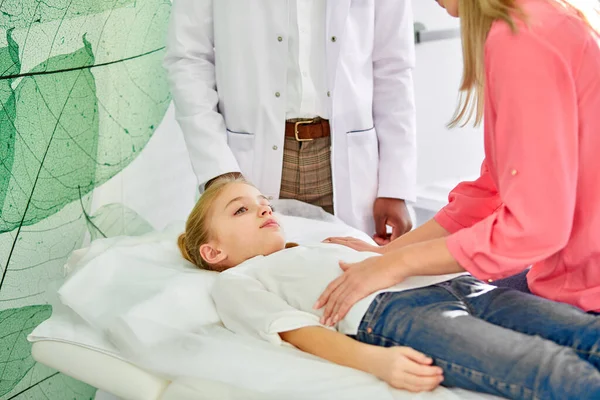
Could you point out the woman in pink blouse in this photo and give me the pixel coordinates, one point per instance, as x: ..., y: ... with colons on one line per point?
x: 532, y: 68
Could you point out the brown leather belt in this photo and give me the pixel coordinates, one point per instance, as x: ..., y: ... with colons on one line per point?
x: 305, y: 130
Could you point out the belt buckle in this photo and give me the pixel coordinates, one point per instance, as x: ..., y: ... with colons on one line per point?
x: 309, y: 121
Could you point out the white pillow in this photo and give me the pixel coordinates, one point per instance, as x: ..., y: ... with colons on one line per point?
x: 144, y: 275
x: 133, y: 287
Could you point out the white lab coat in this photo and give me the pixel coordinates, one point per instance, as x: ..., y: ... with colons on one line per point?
x: 227, y: 64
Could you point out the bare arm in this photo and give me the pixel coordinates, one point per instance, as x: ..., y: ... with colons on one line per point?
x: 429, y: 231
x: 400, y: 367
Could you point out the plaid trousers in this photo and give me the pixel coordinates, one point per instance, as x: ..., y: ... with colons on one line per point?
x: 306, y: 174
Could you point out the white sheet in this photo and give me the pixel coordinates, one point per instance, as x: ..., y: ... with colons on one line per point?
x: 189, y: 353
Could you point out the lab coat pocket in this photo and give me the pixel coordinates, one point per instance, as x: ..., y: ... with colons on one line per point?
x: 242, y: 147
x: 363, y: 159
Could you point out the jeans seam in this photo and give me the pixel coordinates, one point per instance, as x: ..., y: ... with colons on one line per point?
x: 594, y: 353
x: 377, y: 310
x: 471, y: 370
x: 508, y: 326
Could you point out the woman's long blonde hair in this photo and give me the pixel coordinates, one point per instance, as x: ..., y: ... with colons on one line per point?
x: 477, y: 17
x: 197, y: 228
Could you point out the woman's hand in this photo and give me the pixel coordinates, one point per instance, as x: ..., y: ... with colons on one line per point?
x: 381, y: 272
x: 356, y: 244
x: 357, y: 282
x: 405, y: 368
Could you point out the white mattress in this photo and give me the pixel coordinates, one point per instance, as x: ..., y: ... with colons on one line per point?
x: 125, y: 380
x: 100, y: 370
x: 66, y: 343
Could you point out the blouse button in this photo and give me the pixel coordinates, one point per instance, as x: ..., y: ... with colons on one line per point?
x: 513, y: 172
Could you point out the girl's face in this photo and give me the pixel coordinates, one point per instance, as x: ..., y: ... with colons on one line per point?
x: 242, y: 226
x: 451, y: 6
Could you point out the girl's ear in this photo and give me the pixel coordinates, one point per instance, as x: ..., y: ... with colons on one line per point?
x: 211, y: 254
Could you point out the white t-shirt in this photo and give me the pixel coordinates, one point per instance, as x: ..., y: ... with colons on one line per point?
x: 267, y: 295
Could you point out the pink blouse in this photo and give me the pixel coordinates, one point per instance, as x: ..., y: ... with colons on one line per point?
x: 537, y: 201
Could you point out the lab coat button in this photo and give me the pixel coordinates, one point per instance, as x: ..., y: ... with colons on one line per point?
x: 279, y: 39
x: 333, y: 39
x: 328, y: 94
x: 277, y: 94
x: 274, y: 147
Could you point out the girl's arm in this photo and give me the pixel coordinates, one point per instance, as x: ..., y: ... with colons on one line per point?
x: 246, y: 307
x: 401, y: 367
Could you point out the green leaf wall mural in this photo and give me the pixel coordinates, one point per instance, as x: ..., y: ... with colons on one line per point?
x: 82, y: 90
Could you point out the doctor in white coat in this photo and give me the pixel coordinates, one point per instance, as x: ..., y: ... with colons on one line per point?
x: 244, y: 72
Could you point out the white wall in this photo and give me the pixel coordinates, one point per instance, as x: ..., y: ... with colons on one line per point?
x: 443, y: 155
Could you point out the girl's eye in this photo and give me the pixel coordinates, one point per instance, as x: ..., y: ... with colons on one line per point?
x: 241, y: 210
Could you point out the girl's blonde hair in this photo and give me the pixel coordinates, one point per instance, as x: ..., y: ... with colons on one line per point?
x: 197, y: 228
x: 477, y: 17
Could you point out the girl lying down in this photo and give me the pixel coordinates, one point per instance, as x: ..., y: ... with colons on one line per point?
x: 476, y: 336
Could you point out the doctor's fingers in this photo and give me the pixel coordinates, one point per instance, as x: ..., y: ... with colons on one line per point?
x: 400, y: 223
x: 380, y: 225
x: 382, y: 241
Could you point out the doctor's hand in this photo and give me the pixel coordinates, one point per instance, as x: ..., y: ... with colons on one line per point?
x: 392, y: 212
x: 357, y: 282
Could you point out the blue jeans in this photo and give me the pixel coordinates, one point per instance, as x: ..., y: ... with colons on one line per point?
x: 493, y: 340
x: 519, y: 282
x: 516, y: 282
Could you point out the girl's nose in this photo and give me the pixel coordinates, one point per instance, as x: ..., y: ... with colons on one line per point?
x: 265, y: 210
